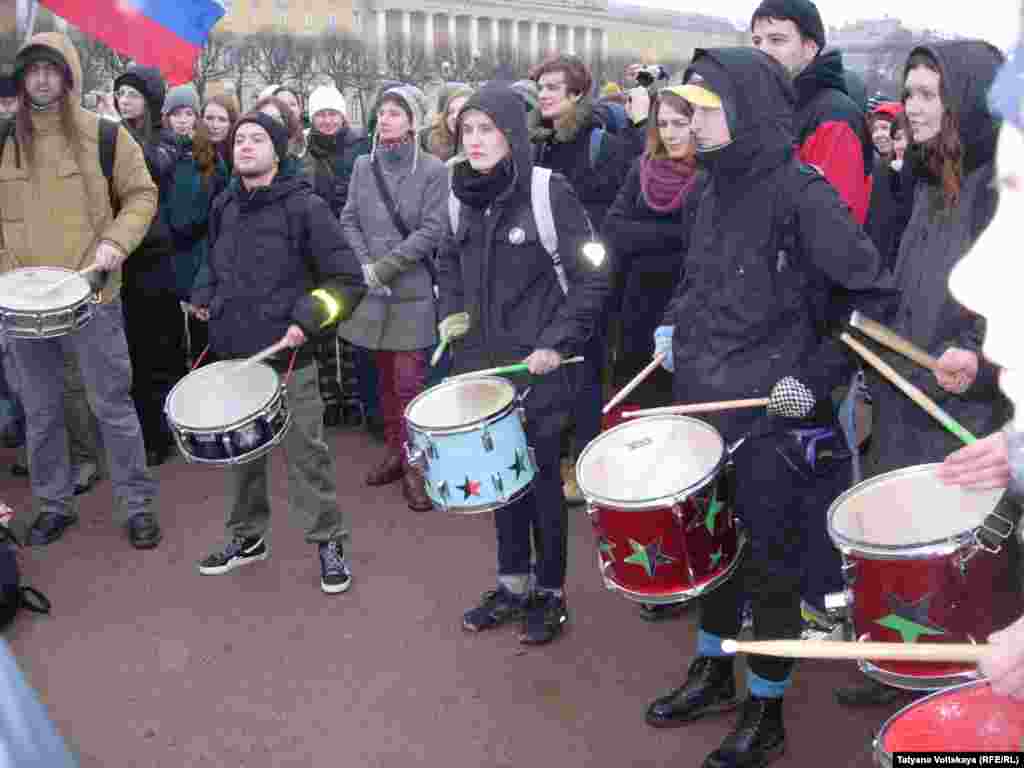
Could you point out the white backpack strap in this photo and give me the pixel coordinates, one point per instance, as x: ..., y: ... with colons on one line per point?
x: 453, y: 212
x: 544, y: 218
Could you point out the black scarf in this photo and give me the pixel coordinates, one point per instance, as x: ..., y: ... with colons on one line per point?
x: 322, y: 147
x: 480, y: 190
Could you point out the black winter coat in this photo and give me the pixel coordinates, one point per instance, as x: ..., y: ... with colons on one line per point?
x: 770, y: 240
x: 649, y: 249
x: 596, y: 185
x: 892, y: 199
x: 263, y: 265
x: 329, y: 168
x: 935, y: 239
x: 505, y: 279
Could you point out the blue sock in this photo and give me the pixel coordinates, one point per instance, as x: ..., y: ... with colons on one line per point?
x: 767, y: 689
x: 709, y: 645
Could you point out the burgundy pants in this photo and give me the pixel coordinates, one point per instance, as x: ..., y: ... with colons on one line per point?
x: 400, y: 379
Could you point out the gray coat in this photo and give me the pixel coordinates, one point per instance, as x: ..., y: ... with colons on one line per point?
x: 405, y: 320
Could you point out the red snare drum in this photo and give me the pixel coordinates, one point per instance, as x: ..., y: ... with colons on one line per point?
x: 657, y: 499
x: 966, y: 718
x: 916, y: 571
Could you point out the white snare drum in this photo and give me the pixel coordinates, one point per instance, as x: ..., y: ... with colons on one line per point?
x: 33, y: 306
x: 228, y: 412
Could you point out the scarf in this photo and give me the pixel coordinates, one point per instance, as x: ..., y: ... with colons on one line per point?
x: 480, y: 190
x: 665, y: 183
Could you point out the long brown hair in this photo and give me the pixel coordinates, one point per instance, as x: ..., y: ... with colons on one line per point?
x: 24, y: 132
x: 655, y: 147
x: 203, y: 150
x: 943, y: 155
x: 228, y: 103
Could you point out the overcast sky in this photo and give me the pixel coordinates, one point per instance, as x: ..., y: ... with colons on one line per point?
x: 994, y: 20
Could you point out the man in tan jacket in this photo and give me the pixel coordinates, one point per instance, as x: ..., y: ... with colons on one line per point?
x: 56, y: 211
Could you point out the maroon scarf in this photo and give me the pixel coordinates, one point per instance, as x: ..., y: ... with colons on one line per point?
x: 665, y: 183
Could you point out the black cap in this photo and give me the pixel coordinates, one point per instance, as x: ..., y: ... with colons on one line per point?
x: 275, y: 129
x: 803, y: 13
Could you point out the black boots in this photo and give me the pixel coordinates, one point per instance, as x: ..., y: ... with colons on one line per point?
x: 759, y: 736
x: 757, y: 740
x: 709, y: 688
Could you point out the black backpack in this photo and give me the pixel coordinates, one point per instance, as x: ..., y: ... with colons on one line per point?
x: 13, y: 596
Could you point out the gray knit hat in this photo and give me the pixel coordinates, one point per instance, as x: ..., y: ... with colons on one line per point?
x: 181, y: 96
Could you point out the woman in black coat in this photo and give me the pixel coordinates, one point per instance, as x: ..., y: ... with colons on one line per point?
x: 648, y: 227
x: 501, y: 297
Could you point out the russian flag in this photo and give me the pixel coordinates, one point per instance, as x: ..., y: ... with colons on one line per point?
x: 166, y: 34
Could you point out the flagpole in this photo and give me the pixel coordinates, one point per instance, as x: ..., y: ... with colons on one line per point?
x: 30, y: 25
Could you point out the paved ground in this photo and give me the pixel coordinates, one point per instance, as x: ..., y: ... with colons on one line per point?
x: 147, y: 664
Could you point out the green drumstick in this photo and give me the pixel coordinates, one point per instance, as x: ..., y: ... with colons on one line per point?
x: 506, y: 369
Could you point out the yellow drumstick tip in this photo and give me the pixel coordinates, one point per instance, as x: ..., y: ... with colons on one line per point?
x: 729, y: 646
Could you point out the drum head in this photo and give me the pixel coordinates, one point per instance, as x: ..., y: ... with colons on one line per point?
x: 968, y: 718
x: 649, y: 460
x: 906, y: 507
x: 460, y: 403
x: 25, y: 290
x: 221, y: 394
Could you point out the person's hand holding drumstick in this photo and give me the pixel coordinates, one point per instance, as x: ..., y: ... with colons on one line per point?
x: 542, y: 361
x: 984, y: 464
x: 295, y: 336
x: 957, y: 370
x: 1003, y: 665
x: 109, y: 256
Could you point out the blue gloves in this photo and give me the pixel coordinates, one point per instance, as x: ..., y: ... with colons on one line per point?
x: 663, y: 345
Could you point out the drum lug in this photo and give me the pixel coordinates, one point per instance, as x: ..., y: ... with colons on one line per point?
x: 849, y: 569
x: 487, y: 440
x: 521, y: 413
x: 499, y: 488
x: 416, y: 457
x: 838, y: 604
x: 432, y: 452
x: 442, y: 493
x: 678, y: 511
x: 533, y: 459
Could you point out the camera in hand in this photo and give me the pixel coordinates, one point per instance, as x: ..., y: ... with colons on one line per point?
x: 649, y: 74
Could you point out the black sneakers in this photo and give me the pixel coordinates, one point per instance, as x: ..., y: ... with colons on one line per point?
x: 546, y: 615
x: 335, y: 575
x: 496, y: 607
x: 237, y: 552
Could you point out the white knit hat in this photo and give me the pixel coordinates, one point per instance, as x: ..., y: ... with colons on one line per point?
x: 326, y: 97
x: 270, y: 90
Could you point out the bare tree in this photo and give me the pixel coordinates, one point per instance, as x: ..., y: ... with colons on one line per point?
x: 301, y: 66
x: 405, y: 61
x: 350, y: 63
x: 100, y: 63
x: 214, y: 62
x: 269, y: 53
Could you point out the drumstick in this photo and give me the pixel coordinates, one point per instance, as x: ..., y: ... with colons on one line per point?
x: 720, y: 405
x: 892, y: 340
x: 635, y: 382
x: 909, y: 390
x: 516, y: 368
x: 836, y: 649
x: 436, y: 357
x: 270, y: 351
x: 68, y: 279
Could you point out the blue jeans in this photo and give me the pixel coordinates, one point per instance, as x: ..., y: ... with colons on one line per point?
x: 102, y: 353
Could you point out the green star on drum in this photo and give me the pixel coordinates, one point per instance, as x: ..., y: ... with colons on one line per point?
x: 519, y: 466
x: 909, y: 619
x: 713, y: 509
x: 649, y: 556
x: 716, y: 557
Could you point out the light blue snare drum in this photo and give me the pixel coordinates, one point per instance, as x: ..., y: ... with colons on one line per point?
x: 467, y: 437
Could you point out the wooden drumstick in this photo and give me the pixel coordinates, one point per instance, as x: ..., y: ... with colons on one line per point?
x: 909, y: 390
x: 68, y: 279
x: 892, y: 340
x: 835, y: 649
x: 503, y: 369
x: 634, y: 382
x: 721, y: 405
x: 270, y: 351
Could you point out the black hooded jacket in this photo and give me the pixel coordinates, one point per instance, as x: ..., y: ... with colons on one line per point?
x: 150, y: 270
x: 770, y: 241
x: 269, y: 249
x: 935, y: 239
x: 831, y: 131
x: 495, y: 268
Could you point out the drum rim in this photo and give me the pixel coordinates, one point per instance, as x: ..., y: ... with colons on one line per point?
x: 940, y: 547
x: 676, y: 497
x: 6, y: 310
x: 882, y: 755
x: 279, y: 394
x: 470, y: 426
x: 916, y: 682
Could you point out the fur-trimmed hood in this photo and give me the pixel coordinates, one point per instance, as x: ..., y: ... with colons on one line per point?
x: 542, y: 130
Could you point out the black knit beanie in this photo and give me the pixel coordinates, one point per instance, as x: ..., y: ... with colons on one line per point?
x: 275, y: 129
x: 8, y: 87
x: 803, y: 13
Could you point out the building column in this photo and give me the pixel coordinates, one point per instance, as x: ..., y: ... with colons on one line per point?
x: 604, y: 45
x: 428, y: 36
x: 453, y: 35
x: 570, y: 40
x: 552, y: 38
x: 588, y: 46
x: 534, y: 42
x: 407, y: 31
x: 515, y: 37
x: 495, y: 36
x: 474, y: 35
x: 382, y: 38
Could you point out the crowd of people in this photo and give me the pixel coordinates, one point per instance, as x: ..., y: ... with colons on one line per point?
x: 744, y: 211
